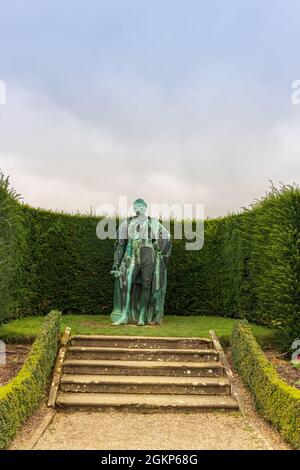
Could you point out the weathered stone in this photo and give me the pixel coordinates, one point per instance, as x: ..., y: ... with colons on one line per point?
x: 150, y: 403
x: 184, y: 355
x: 141, y: 342
x: 188, y: 369
x: 145, y: 384
x: 145, y: 374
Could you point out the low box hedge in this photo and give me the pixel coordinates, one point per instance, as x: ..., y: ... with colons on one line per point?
x: 22, y: 395
x: 277, y: 401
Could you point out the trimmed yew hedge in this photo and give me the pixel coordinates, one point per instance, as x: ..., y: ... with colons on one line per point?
x: 277, y: 401
x: 248, y: 268
x: 16, y: 288
x: 22, y: 395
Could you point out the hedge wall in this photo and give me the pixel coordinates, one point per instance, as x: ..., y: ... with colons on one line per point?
x: 16, y: 289
x: 22, y: 395
x: 248, y: 268
x: 277, y: 401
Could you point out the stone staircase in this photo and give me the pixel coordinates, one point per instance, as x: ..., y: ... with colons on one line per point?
x: 142, y: 373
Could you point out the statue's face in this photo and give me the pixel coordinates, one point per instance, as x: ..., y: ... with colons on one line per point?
x: 139, y: 208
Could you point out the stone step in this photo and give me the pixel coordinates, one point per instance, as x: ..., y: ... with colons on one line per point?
x: 142, y: 402
x: 154, y: 368
x: 145, y: 385
x: 194, y: 355
x: 143, y: 342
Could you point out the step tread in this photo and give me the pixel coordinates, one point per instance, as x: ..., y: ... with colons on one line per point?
x: 137, y: 337
x: 141, y: 364
x: 144, y: 400
x: 142, y: 350
x: 135, y: 379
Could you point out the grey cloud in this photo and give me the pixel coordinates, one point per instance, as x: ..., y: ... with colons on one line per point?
x: 141, y: 140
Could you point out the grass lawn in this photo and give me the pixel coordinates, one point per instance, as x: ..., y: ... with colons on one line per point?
x: 25, y: 329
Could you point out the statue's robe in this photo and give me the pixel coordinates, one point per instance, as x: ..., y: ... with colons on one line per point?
x: 158, y: 238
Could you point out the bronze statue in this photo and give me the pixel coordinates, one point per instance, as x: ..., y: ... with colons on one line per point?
x: 142, y: 249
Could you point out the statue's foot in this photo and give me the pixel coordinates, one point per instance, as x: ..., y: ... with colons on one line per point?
x: 121, y: 321
x: 141, y: 323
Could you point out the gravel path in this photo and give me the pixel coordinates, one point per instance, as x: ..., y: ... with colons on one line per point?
x: 121, y: 430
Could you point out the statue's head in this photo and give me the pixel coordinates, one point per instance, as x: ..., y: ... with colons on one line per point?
x: 139, y: 206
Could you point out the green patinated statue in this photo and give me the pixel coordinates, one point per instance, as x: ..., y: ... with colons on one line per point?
x: 142, y: 249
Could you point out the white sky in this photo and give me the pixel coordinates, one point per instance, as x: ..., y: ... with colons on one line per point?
x: 175, y: 102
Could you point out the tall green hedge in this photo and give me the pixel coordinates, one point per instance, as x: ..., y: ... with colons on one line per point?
x: 248, y: 268
x: 22, y: 395
x: 277, y: 401
x: 16, y: 276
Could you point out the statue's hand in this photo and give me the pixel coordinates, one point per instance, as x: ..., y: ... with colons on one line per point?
x: 115, y: 271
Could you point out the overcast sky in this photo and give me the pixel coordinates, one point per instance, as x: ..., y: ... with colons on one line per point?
x: 169, y: 100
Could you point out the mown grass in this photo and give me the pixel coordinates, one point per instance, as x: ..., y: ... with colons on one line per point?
x: 25, y: 329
